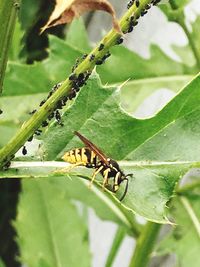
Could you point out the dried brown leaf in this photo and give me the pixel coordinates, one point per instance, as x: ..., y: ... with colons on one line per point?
x: 66, y: 10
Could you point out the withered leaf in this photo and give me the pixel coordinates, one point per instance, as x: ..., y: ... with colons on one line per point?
x: 66, y: 10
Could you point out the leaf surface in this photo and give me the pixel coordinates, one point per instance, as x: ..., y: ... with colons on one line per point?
x: 56, y: 235
x: 163, y: 147
x: 184, y: 239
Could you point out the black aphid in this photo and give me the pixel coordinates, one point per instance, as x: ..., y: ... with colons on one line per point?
x: 24, y: 150
x: 42, y: 103
x: 38, y: 132
x: 32, y: 112
x: 92, y: 57
x: 84, y: 56
x: 119, y: 40
x: 72, y: 77
x: 81, y: 76
x: 135, y: 22
x: 72, y: 94
x: 58, y: 118
x: 1, y: 111
x: 51, y: 116
x: 155, y: 2
x: 137, y: 3
x: 147, y: 6
x: 54, y: 88
x: 6, y: 166
x: 30, y: 138
x: 143, y: 12
x: 130, y: 3
x: 44, y: 124
x: 107, y: 55
x: 101, y: 47
x: 99, y: 62
x: 130, y: 29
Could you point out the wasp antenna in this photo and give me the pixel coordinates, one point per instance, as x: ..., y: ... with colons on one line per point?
x: 126, y: 189
x: 129, y: 174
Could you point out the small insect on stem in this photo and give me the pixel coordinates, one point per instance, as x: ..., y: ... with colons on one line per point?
x: 91, y: 156
x: 24, y: 150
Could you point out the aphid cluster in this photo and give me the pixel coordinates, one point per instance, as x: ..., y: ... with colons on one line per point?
x: 133, y: 19
x: 60, y: 104
x: 132, y: 2
x: 103, y: 59
x: 77, y: 81
x: 76, y: 64
x: 92, y: 157
x: 155, y: 2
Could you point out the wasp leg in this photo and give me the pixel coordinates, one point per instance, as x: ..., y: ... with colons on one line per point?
x: 68, y: 169
x: 105, y: 178
x: 94, y: 174
x: 116, y: 182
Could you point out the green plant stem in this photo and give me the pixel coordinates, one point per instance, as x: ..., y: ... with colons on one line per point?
x: 145, y: 245
x: 8, y: 12
x: 119, y: 237
x: 191, y: 42
x: 29, y: 127
x: 188, y: 187
x: 180, y: 20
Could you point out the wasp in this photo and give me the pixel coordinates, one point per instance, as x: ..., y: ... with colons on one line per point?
x: 91, y: 156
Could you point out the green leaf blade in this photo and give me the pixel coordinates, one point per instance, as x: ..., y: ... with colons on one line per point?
x: 54, y: 228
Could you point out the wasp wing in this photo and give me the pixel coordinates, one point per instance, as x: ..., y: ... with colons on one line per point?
x: 94, y: 148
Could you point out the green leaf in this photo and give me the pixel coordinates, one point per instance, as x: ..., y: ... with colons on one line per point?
x: 62, y: 56
x: 76, y: 188
x: 56, y: 234
x: 23, y: 79
x: 135, y: 91
x: 132, y: 66
x: 15, y: 47
x: 184, y: 239
x: 174, y: 9
x: 41, y: 76
x: 12, y: 118
x: 160, y: 150
x: 145, y: 74
x: 77, y: 36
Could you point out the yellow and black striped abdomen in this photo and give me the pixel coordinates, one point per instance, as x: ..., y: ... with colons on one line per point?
x: 84, y: 155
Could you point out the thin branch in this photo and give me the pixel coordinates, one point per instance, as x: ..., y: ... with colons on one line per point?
x: 8, y: 12
x: 145, y: 245
x: 188, y: 187
x: 191, y: 213
x: 118, y: 239
x: 180, y: 20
